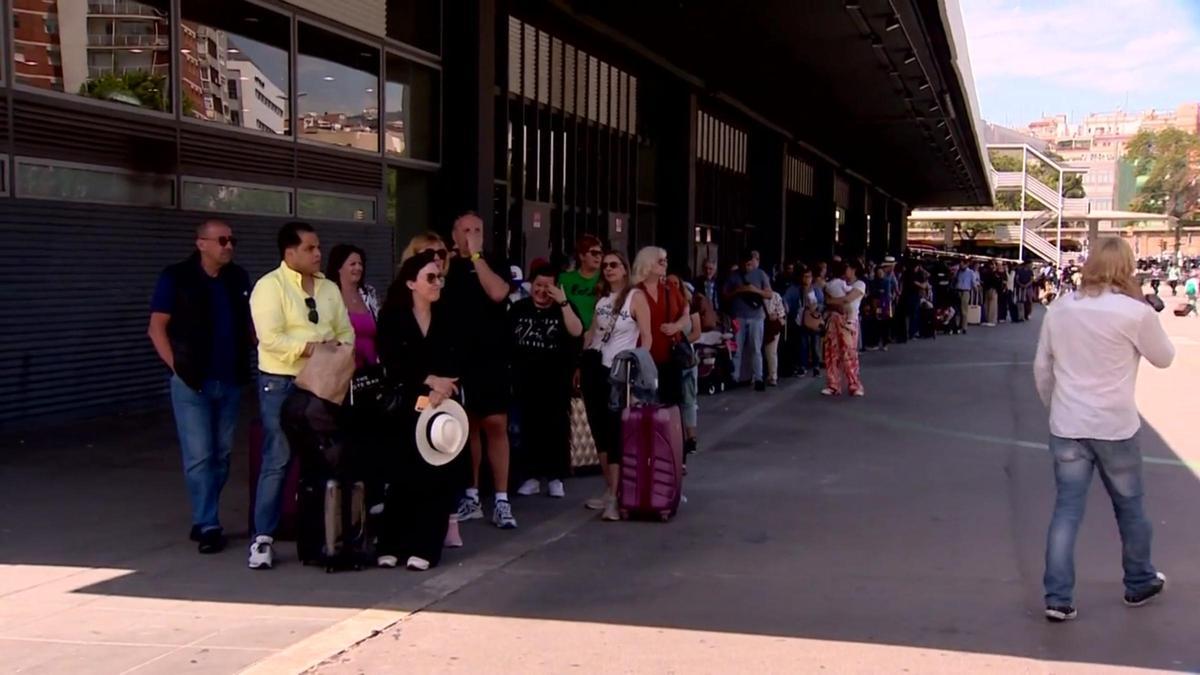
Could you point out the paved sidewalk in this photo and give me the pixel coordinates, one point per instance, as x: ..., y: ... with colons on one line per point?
x: 903, y: 530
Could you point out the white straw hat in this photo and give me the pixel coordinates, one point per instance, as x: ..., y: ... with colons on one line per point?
x: 442, y: 432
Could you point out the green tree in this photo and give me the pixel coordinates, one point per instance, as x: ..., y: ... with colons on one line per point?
x: 1165, y: 164
x: 137, y: 87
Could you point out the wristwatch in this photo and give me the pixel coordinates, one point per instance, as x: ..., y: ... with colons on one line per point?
x: 476, y: 256
x: 564, y: 303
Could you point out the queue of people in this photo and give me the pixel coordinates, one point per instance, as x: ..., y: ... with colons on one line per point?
x: 454, y: 333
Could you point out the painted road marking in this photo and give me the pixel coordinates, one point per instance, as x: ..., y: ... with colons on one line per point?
x: 994, y: 440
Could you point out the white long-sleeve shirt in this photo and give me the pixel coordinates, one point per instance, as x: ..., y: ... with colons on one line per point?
x: 1087, y: 362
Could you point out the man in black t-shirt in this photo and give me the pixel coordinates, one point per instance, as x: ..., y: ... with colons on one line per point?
x: 476, y: 294
x: 544, y: 329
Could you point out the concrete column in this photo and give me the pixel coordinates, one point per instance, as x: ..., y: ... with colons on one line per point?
x: 469, y: 112
x: 765, y: 159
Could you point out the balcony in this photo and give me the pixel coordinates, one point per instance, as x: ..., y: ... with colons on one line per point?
x: 139, y: 40
x: 96, y: 72
x: 123, y: 8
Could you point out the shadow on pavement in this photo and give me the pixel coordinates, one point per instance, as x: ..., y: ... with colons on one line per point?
x: 913, y: 517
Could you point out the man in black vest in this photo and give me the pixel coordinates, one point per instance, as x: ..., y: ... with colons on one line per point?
x: 200, y: 327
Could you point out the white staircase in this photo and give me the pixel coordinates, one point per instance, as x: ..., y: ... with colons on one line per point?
x: 1051, y: 198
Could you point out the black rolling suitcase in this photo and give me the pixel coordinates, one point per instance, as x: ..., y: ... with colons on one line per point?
x: 332, y: 532
x: 331, y: 499
x: 927, y: 322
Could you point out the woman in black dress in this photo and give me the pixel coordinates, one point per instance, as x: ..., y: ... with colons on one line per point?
x: 416, y: 344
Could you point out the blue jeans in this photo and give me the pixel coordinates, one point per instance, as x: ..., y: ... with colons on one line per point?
x: 1120, y: 465
x: 691, y: 404
x: 749, y: 346
x: 206, y: 421
x: 268, y: 500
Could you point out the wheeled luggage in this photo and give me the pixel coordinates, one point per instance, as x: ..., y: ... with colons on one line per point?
x: 1182, y: 310
x: 651, y: 463
x: 332, y: 528
x: 974, y: 315
x: 332, y: 496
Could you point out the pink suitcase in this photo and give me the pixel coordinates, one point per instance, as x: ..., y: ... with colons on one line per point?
x: 652, y: 462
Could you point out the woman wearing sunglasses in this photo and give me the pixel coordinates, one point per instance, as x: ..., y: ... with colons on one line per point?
x: 621, y: 322
x: 417, y: 345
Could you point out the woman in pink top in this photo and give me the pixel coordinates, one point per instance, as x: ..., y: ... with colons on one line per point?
x: 347, y: 268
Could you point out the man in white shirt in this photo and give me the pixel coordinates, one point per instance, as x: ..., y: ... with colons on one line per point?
x: 966, y: 282
x: 1086, y: 370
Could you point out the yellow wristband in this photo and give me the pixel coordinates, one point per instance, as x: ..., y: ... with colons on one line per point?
x: 475, y: 256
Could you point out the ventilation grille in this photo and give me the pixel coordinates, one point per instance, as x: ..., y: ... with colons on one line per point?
x: 202, y: 153
x: 102, y: 136
x: 322, y: 168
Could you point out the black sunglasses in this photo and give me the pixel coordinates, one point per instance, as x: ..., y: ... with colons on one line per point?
x: 439, y: 252
x: 433, y: 278
x: 311, y: 304
x: 612, y: 265
x: 595, y: 252
x: 223, y: 241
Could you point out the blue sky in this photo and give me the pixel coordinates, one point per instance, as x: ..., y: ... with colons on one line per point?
x: 1035, y: 57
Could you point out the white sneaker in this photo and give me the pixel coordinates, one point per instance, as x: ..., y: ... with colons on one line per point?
x: 529, y: 488
x: 469, y: 508
x: 502, y: 516
x: 596, y: 503
x: 261, y: 555
x: 387, y: 561
x: 828, y: 392
x: 417, y: 564
x: 556, y: 489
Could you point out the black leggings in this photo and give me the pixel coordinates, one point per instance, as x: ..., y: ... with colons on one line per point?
x: 605, y: 423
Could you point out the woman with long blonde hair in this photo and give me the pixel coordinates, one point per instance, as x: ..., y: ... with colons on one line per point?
x: 1086, y: 372
x: 669, y: 319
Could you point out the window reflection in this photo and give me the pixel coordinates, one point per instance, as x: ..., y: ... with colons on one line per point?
x: 112, y: 50
x: 411, y: 109
x: 234, y: 65
x: 338, y: 81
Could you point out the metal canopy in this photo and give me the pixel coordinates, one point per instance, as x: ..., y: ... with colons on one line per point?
x: 875, y: 85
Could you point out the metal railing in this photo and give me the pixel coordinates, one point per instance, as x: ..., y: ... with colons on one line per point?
x: 1041, y: 247
x: 1077, y: 205
x: 1042, y: 192
x: 123, y: 8
x: 136, y: 40
x: 95, y: 72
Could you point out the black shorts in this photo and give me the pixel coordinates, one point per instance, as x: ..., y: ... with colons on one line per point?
x: 486, y: 388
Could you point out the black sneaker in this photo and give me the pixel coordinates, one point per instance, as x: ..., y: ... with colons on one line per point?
x: 1143, y: 597
x: 1061, y: 613
x: 760, y: 386
x: 212, y: 541
x: 816, y: 372
x: 194, y: 535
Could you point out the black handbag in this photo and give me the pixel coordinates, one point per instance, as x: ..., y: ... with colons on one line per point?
x: 373, y: 391
x: 683, y: 354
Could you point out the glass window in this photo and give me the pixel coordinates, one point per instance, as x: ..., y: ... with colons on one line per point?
x: 41, y: 179
x: 326, y: 206
x: 112, y: 50
x: 412, y: 114
x: 416, y: 22
x: 338, y: 80
x: 234, y: 67
x: 3, y: 176
x: 236, y: 198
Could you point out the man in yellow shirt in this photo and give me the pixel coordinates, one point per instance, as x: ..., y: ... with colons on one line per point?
x: 295, y: 308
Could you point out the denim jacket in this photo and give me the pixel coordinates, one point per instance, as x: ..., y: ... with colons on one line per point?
x: 636, y: 367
